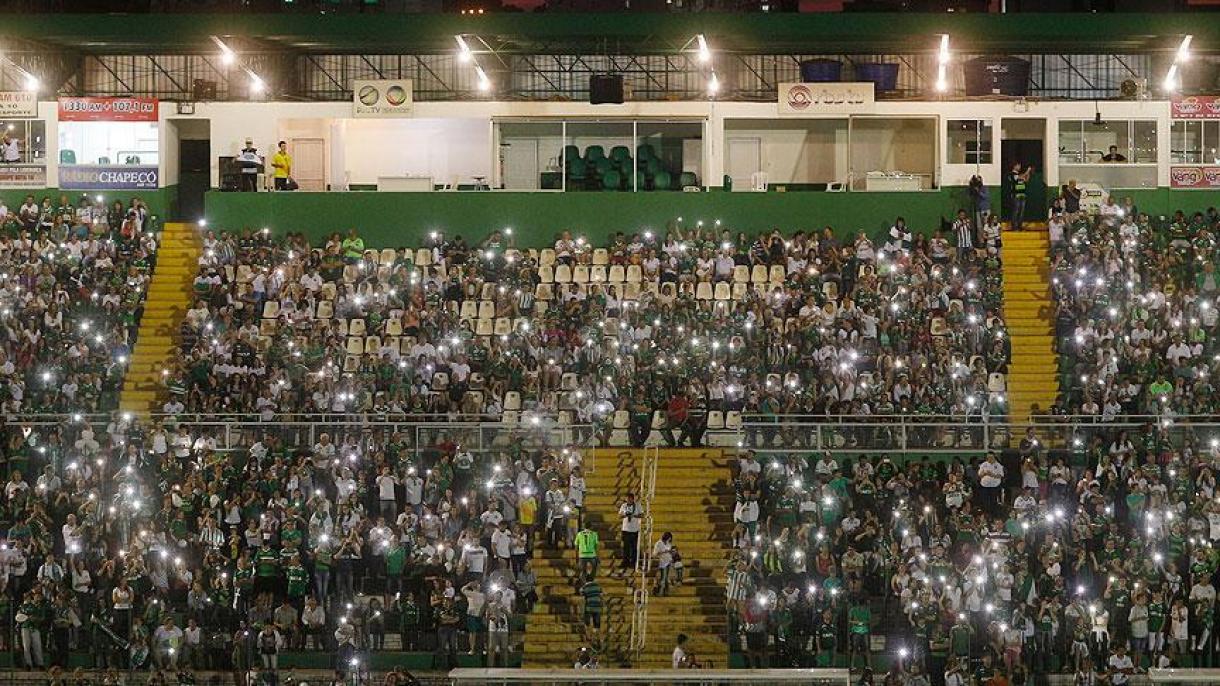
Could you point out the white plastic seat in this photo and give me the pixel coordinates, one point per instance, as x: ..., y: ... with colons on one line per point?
x: 423, y: 257
x: 597, y: 274
x: 778, y: 273
x: 511, y: 417
x: 503, y: 326
x: 546, y: 257
x: 732, y: 420
x: 393, y: 327
x: 470, y: 309
x: 631, y: 291
x: 563, y: 274
x: 635, y: 273
x: 326, y: 310
x: 546, y: 274
x: 271, y: 309
x: 568, y: 381
x: 543, y: 291
x: 512, y: 400
x: 488, y: 292
x: 723, y: 291
x: 741, y: 274
x: 484, y: 327
x: 580, y: 274
x: 487, y: 309
x: 355, y: 345
x: 355, y: 327
x: 704, y: 291
x: 617, y: 274
x: 387, y: 256
x: 372, y: 345
x: 740, y: 290
x: 351, y: 363
x: 658, y: 420
x: 715, y: 420
x: 350, y: 274
x: 440, y: 381
x: 601, y: 256
x: 622, y: 419
x: 759, y: 273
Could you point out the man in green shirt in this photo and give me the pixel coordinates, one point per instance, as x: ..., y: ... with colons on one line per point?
x: 298, y: 582
x: 827, y: 639
x: 586, y: 551
x: 859, y: 619
x: 267, y: 570
x: 592, y: 593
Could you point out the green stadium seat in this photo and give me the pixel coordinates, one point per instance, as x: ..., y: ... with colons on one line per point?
x: 661, y: 181
x: 619, y: 153
x: 103, y: 160
x: 612, y: 180
x: 67, y: 157
x: 571, y: 153
x: 644, y: 152
x: 593, y: 153
x: 603, y: 165
x: 687, y: 179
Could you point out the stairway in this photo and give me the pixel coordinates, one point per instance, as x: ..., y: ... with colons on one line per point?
x: 694, y: 501
x: 1030, y: 317
x: 169, y: 297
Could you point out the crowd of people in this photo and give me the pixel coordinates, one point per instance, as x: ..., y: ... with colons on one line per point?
x: 154, y: 549
x: 1136, y: 313
x: 156, y: 545
x: 72, y: 283
x: 684, y: 327
x: 1089, y: 552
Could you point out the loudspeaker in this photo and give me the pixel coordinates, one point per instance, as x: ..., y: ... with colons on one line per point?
x: 204, y: 89
x: 606, y: 89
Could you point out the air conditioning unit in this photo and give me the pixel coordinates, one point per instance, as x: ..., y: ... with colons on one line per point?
x: 1134, y: 89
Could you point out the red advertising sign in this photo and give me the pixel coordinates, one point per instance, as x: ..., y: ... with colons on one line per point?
x: 1194, y: 177
x: 108, y: 109
x: 1195, y: 107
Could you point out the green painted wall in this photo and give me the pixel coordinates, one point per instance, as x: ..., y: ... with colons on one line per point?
x: 406, y: 218
x: 162, y: 202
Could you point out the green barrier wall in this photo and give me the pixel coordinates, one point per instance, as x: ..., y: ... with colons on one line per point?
x: 161, y: 202
x: 391, y: 219
x: 395, y: 219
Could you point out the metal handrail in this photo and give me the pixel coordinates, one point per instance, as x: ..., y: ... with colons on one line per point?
x: 643, y: 558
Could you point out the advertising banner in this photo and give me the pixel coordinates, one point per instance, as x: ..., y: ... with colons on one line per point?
x: 1195, y: 107
x: 108, y: 177
x: 1194, y: 177
x: 107, y: 109
x: 803, y: 99
x: 18, y: 105
x: 382, y: 98
x: 23, y: 176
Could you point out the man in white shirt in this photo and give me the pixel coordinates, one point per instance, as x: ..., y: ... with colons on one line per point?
x: 991, y: 479
x: 1121, y: 667
x: 10, y: 149
x: 630, y: 512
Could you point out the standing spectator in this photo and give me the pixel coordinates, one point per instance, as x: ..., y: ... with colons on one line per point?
x: 630, y: 514
x: 586, y: 551
x: 991, y: 479
x: 281, y: 162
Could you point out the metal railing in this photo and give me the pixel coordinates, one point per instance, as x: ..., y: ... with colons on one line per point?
x: 939, y: 434
x: 638, y: 638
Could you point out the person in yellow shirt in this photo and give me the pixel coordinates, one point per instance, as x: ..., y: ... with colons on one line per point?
x: 282, y: 164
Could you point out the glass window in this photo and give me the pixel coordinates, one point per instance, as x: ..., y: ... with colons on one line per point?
x: 787, y: 154
x: 31, y: 137
x: 600, y: 155
x: 893, y: 154
x: 1186, y: 142
x: 1108, y: 141
x: 969, y: 141
x: 1143, y: 142
x: 1071, y: 142
x: 108, y: 143
x: 1083, y: 141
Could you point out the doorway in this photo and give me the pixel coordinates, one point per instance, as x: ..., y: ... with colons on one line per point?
x: 743, y: 160
x: 1024, y: 141
x: 308, y: 163
x: 520, y: 160
x: 193, y: 176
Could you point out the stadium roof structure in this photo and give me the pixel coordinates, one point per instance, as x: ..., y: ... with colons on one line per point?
x: 623, y: 33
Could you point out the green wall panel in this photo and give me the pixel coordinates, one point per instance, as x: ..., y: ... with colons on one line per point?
x: 391, y: 219
x: 162, y: 202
